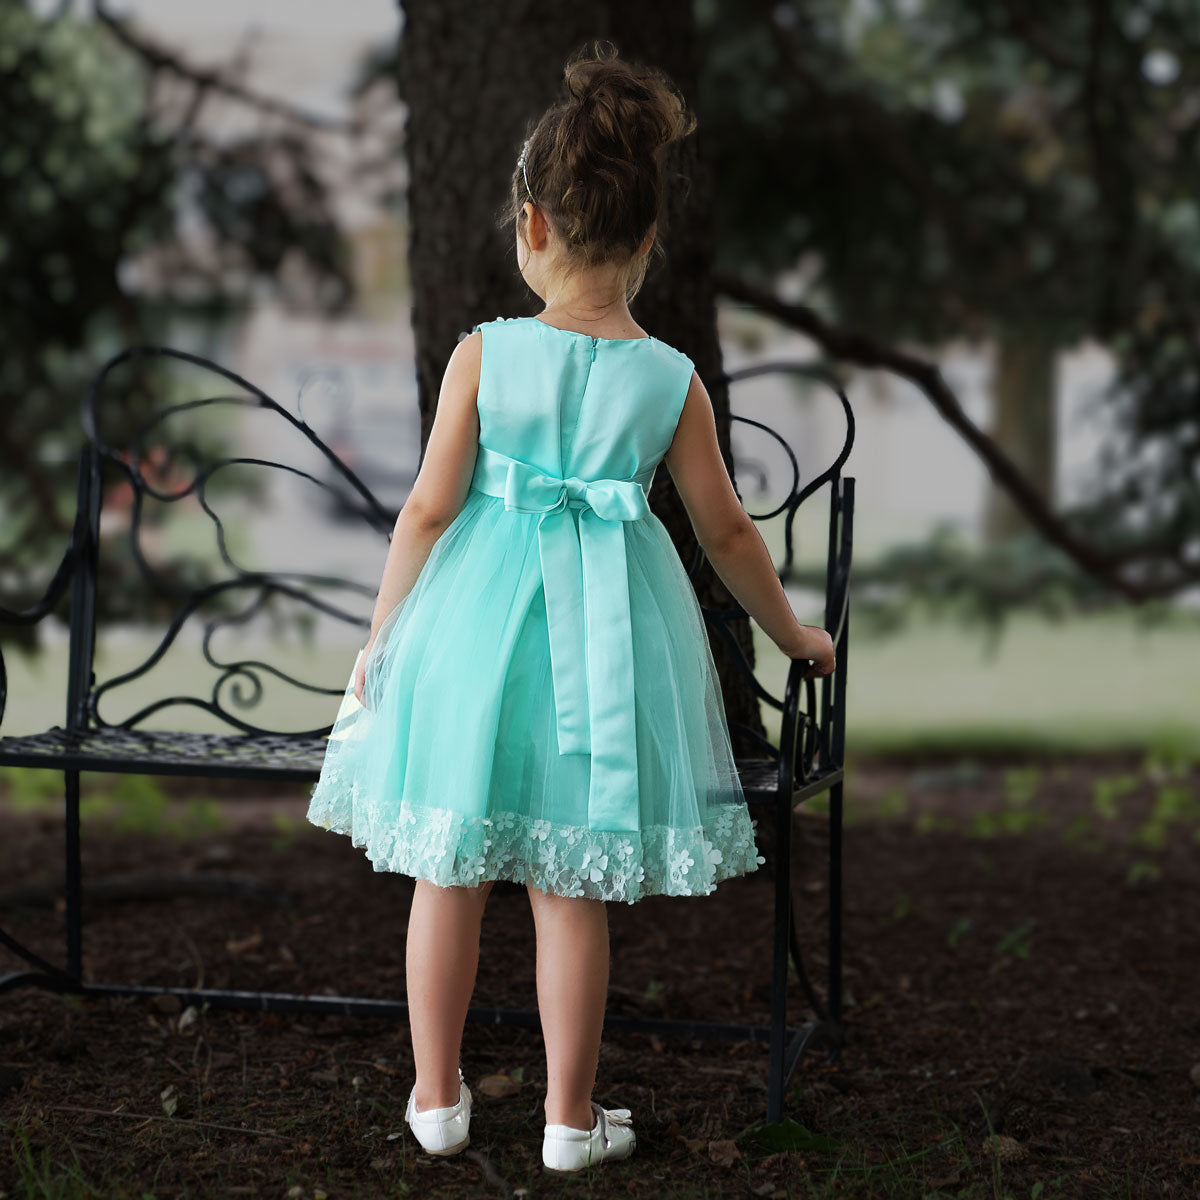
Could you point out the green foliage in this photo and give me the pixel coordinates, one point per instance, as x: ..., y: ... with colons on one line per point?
x: 948, y: 578
x: 40, y: 1174
x: 791, y: 1135
x: 95, y: 176
x: 950, y: 170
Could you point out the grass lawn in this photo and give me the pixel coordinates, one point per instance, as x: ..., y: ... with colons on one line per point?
x: 1095, y: 683
x: 1088, y: 684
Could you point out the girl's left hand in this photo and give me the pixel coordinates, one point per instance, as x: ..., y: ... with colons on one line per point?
x: 360, y: 674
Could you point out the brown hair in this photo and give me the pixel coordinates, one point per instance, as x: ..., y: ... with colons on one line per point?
x: 595, y: 160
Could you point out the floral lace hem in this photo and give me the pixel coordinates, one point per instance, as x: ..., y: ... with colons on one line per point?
x: 450, y: 849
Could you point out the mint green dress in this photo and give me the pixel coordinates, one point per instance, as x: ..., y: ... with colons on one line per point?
x: 543, y: 705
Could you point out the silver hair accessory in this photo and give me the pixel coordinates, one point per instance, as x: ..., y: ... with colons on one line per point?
x: 521, y: 164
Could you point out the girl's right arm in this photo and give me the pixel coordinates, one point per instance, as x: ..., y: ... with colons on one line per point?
x: 729, y: 538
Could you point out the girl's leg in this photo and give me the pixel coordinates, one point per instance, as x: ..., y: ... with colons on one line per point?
x: 572, y: 987
x: 442, y: 959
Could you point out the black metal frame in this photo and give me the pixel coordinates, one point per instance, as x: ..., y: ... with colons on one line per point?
x: 808, y: 761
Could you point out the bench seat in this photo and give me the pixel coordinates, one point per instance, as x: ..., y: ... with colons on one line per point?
x: 261, y: 756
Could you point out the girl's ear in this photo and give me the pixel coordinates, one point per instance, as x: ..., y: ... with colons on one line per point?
x: 537, y: 231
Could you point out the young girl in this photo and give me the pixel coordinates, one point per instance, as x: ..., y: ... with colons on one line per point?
x: 537, y: 700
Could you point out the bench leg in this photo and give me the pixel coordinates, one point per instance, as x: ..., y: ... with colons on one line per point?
x: 835, y: 908
x: 74, y: 913
x: 779, y: 960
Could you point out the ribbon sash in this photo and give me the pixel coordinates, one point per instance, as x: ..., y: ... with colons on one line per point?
x: 586, y: 582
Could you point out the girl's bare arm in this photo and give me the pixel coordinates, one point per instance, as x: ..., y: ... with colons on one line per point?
x: 728, y: 536
x: 440, y: 489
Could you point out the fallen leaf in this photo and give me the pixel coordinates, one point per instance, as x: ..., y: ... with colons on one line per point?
x: 241, y: 945
x: 499, y: 1085
x: 724, y: 1152
x: 1004, y: 1148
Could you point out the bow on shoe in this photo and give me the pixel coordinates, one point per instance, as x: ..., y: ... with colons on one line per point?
x: 612, y: 1116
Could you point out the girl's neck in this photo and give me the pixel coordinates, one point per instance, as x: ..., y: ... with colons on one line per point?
x: 589, y: 316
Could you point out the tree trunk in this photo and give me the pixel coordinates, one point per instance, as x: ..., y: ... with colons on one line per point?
x: 1023, y: 423
x: 471, y: 76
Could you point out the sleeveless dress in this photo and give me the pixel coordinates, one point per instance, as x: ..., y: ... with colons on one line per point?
x: 543, y: 706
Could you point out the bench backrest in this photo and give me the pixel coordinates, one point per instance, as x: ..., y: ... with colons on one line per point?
x: 153, y: 469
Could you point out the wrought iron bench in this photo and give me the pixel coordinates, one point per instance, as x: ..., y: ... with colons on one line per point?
x: 808, y: 760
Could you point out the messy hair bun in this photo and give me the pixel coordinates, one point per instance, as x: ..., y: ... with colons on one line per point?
x: 595, y: 159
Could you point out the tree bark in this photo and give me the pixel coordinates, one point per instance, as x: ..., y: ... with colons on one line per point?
x: 1023, y: 424
x: 471, y: 76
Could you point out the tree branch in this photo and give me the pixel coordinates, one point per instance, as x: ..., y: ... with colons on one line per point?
x: 159, y: 59
x: 847, y: 346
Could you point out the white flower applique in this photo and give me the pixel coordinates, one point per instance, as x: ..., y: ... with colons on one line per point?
x: 570, y: 860
x: 681, y: 861
x: 594, y: 864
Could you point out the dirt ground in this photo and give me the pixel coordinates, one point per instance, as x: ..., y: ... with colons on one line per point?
x: 1022, y: 972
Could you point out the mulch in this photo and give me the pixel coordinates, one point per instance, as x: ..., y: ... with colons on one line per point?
x: 1022, y: 1005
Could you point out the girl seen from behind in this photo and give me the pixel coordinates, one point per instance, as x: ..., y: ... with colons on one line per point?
x: 538, y: 700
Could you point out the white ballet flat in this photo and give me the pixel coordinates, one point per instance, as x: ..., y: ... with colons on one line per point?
x: 442, y: 1130
x: 566, y: 1150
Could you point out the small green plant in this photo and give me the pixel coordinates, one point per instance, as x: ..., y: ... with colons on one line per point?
x: 1017, y: 942
x: 1080, y: 835
x: 1168, y: 762
x: 1174, y: 803
x: 32, y: 790
x: 1142, y: 870
x: 930, y: 822
x: 987, y: 824
x: 37, y: 1174
x: 956, y: 931
x: 1107, y: 792
x: 894, y: 802
x: 1021, y: 785
x: 655, y: 988
x: 288, y: 829
x: 200, y: 815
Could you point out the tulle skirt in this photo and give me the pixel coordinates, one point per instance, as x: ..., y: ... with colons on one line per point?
x: 450, y: 770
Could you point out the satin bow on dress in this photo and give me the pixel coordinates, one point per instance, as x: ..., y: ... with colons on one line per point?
x: 586, y: 583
